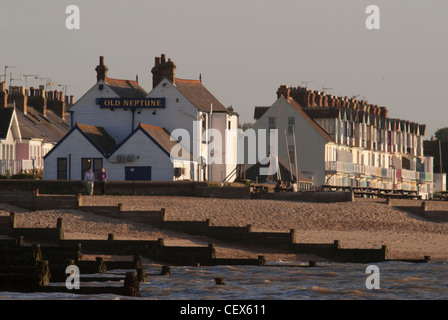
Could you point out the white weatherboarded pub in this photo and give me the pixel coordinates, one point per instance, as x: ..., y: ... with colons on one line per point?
x: 130, y: 133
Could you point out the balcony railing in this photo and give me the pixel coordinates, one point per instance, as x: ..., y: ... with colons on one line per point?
x: 358, y: 169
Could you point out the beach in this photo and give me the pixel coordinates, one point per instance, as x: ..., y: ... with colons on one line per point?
x: 363, y: 223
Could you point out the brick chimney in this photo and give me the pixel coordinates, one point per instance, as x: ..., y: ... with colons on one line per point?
x: 3, y: 95
x: 17, y: 95
x: 163, y: 69
x: 101, y: 70
x: 283, y: 91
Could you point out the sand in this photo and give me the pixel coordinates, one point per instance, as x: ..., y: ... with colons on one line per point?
x: 364, y: 223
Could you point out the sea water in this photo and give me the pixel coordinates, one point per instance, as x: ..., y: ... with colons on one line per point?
x: 278, y: 281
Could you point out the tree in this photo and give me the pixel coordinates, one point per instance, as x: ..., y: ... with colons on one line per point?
x: 442, y: 134
x: 246, y: 125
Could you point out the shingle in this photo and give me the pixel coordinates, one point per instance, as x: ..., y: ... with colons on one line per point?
x: 198, y: 95
x: 162, y: 137
x: 33, y: 125
x: 126, y: 88
x: 99, y: 137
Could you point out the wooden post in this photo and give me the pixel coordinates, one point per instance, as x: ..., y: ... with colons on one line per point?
x: 261, y: 261
x: 208, y: 222
x: 101, y: 265
x: 12, y: 220
x: 212, y: 252
x: 161, y: 242
x: 166, y: 271
x: 249, y: 228
x: 424, y: 206
x: 220, y: 281
x: 385, y: 251
x: 131, y: 285
x: 389, y: 201
x: 337, y: 244
x: 119, y: 208
x: 79, y: 199
x: 61, y: 229
x: 292, y: 232
x: 163, y: 212
x: 141, y: 275
x: 427, y: 259
x: 138, y: 261
x: 110, y: 237
x: 43, y: 273
x: 312, y: 263
x: 20, y: 241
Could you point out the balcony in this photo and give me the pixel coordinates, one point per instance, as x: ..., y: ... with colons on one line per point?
x: 377, y: 172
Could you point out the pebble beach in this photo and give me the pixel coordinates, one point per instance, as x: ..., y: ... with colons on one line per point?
x: 364, y: 223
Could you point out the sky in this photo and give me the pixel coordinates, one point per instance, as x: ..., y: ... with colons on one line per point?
x: 243, y: 49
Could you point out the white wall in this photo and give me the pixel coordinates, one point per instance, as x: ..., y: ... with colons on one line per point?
x: 74, y: 147
x: 310, y: 144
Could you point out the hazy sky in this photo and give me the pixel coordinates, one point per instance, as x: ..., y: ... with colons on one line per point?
x: 244, y: 49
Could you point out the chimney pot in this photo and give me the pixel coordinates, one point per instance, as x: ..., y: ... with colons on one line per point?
x: 163, y: 58
x: 101, y: 60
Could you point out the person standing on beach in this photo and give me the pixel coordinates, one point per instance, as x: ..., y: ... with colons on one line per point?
x: 89, y: 179
x: 102, y: 178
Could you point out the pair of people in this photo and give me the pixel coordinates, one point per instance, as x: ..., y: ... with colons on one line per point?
x: 89, y: 179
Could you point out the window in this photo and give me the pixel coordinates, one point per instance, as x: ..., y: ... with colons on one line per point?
x: 95, y: 163
x: 62, y: 169
x: 271, y: 123
x: 291, y: 154
x: 229, y: 125
x: 291, y: 121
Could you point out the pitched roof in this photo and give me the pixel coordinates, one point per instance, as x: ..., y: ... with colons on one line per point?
x: 162, y: 138
x: 259, y: 112
x: 5, y: 121
x: 126, y: 88
x: 34, y: 125
x: 198, y: 95
x: 99, y: 137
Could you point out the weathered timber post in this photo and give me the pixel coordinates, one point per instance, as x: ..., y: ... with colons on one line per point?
x: 141, y: 275
x: 137, y: 261
x: 312, y: 263
x: 208, y: 222
x: 161, y: 243
x: 336, y: 244
x: 220, y: 281
x: 424, y: 207
x: 119, y: 208
x: 427, y: 259
x: 261, y: 261
x: 101, y: 265
x: 166, y: 271
x: 43, y: 273
x: 131, y: 285
x: 212, y: 251
x: 292, y: 233
x: 110, y: 237
x: 389, y: 201
x: 12, y: 221
x: 20, y: 241
x: 385, y: 252
x: 163, y: 214
x: 79, y: 200
x: 61, y: 229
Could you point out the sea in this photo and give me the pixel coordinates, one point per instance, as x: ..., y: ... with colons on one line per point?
x: 390, y: 280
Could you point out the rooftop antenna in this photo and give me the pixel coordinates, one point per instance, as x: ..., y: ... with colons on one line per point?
x: 11, y: 79
x: 65, y: 87
x: 325, y: 89
x: 306, y: 83
x: 26, y: 78
x: 7, y: 67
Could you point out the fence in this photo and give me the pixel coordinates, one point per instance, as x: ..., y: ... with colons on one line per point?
x: 10, y: 167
